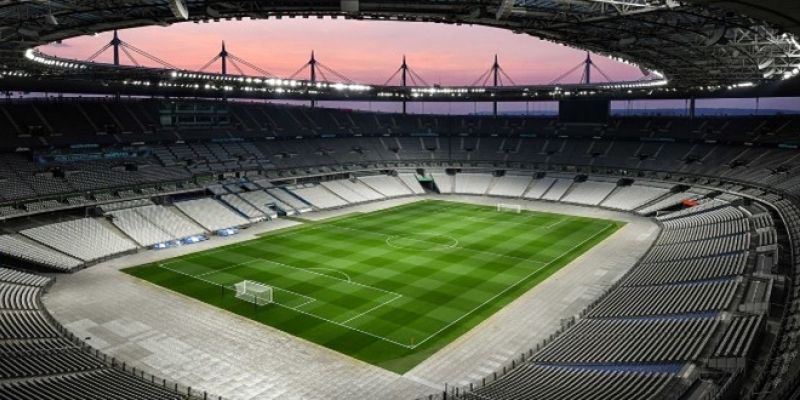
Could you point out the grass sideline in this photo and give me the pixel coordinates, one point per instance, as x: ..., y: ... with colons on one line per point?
x: 388, y: 287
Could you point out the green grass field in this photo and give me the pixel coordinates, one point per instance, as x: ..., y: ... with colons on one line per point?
x: 389, y: 287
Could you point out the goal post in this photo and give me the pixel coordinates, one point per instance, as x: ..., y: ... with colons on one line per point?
x: 504, y: 207
x: 254, y: 292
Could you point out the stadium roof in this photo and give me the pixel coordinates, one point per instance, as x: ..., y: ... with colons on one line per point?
x: 781, y: 13
x: 694, y: 43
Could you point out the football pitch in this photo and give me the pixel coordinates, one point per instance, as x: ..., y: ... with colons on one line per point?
x: 389, y: 287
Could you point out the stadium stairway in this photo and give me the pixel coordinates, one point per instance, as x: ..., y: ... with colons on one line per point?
x: 490, y: 186
x: 712, y: 209
x: 43, y: 361
x: 727, y: 329
x: 115, y: 229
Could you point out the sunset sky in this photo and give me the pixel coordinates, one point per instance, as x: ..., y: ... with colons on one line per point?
x: 365, y: 51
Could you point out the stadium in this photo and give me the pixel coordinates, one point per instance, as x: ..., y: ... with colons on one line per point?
x: 224, y: 232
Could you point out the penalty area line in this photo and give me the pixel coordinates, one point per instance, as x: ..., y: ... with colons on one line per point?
x: 347, y: 277
x: 347, y: 326
x: 226, y: 268
x: 309, y: 299
x: 374, y: 308
x: 312, y: 315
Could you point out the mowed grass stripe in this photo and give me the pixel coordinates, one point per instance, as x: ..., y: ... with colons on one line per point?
x: 514, y: 285
x: 390, y: 303
x: 488, y: 237
x: 335, y: 299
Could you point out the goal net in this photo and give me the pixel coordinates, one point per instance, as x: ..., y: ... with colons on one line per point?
x: 515, y: 208
x: 254, y: 292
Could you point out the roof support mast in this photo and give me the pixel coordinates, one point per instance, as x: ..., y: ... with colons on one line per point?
x: 115, y: 42
x: 407, y: 75
x: 223, y: 57
x: 312, y: 68
x: 587, y: 69
x: 496, y: 79
x: 316, y: 67
x: 404, y: 71
x: 497, y: 75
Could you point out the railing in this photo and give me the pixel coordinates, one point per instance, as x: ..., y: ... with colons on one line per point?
x: 455, y: 392
x: 458, y: 391
x: 468, y: 392
x: 182, y: 390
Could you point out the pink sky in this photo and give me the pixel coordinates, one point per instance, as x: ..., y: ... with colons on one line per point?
x: 365, y: 51
x: 370, y: 51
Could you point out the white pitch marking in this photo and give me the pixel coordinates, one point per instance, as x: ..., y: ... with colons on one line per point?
x: 347, y: 277
x: 296, y: 308
x: 226, y: 268
x: 374, y: 308
x: 454, y: 244
x: 455, y: 247
x: 559, y: 222
x: 512, y: 286
x: 291, y: 230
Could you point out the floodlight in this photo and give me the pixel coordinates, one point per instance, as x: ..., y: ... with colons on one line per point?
x: 179, y: 9
x: 51, y: 19
x: 766, y: 63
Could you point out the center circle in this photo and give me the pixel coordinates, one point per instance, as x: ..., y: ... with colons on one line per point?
x: 422, y: 242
